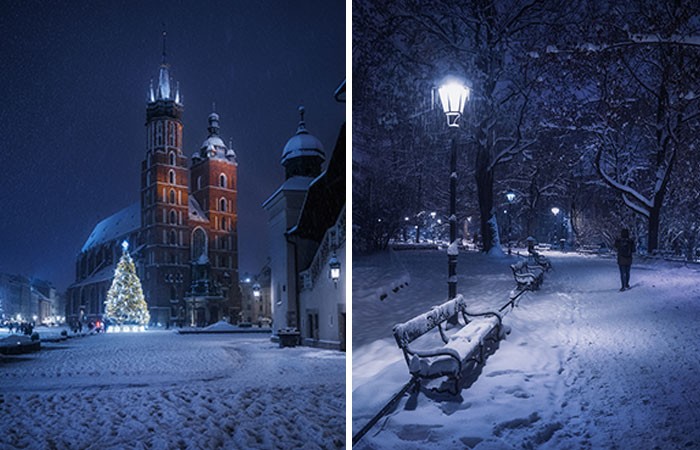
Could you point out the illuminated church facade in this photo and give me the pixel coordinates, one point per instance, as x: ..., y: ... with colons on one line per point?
x: 182, y: 232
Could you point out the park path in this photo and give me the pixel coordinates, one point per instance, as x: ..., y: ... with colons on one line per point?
x: 585, y: 366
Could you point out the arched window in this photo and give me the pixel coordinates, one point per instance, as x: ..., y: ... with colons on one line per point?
x: 172, y: 195
x: 199, y: 243
x: 223, y: 223
x: 173, y: 217
x: 173, y: 293
x: 199, y: 182
x: 172, y: 158
x: 173, y: 237
x: 222, y: 180
x: 222, y: 205
x: 171, y: 177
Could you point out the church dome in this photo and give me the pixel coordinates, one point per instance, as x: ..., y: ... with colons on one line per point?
x: 213, y: 146
x: 302, y: 144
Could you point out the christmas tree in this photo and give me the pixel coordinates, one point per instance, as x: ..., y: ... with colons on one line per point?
x: 125, y: 303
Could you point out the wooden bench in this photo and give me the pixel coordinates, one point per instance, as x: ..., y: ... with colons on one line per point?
x: 527, y: 277
x: 449, y: 357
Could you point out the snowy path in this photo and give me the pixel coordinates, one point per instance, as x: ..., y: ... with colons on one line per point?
x: 585, y: 366
x: 160, y: 390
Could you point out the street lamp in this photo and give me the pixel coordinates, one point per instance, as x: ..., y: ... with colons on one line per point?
x: 555, y: 211
x: 510, y: 196
x: 453, y: 96
x: 334, y: 272
x: 256, y: 290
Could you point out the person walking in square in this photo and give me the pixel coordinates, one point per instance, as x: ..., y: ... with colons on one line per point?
x: 625, y: 248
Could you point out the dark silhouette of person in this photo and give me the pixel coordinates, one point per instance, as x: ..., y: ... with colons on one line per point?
x: 625, y: 248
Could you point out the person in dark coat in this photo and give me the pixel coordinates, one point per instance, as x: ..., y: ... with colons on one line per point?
x: 625, y: 248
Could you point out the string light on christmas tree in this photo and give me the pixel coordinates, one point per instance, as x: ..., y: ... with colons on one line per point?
x: 125, y: 306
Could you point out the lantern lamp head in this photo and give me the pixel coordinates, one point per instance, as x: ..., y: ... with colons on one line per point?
x: 510, y: 196
x: 453, y: 96
x: 555, y: 210
x: 334, y: 272
x: 256, y: 290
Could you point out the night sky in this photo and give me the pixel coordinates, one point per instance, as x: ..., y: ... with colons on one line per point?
x: 73, y: 83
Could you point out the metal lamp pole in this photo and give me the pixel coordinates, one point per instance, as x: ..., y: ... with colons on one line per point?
x: 453, y: 96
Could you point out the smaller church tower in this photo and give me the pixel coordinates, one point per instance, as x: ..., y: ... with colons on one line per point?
x: 164, y: 201
x: 214, y: 289
x: 302, y: 158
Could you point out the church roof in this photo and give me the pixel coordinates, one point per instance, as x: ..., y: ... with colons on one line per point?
x: 195, y: 211
x: 119, y: 224
x: 291, y: 184
x: 302, y: 144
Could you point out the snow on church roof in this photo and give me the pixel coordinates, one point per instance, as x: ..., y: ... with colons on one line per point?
x: 195, y: 211
x: 115, y: 226
x: 302, y: 143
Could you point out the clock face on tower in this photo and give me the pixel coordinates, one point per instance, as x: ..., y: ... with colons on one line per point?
x: 212, y: 152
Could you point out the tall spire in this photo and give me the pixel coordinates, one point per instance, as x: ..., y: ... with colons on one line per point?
x: 165, y: 33
x: 164, y: 75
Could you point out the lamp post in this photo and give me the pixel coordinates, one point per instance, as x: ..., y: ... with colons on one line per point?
x: 555, y: 211
x: 453, y: 96
x: 510, y: 196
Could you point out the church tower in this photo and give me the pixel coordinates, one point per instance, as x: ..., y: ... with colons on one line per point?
x: 214, y: 187
x: 164, y: 201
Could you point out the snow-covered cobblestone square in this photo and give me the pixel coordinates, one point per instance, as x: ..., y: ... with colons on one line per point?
x: 161, y: 390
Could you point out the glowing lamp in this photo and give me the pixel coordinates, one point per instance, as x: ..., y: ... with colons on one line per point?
x: 125, y: 245
x: 256, y: 290
x: 334, y: 272
x: 555, y: 210
x: 510, y: 196
x: 453, y: 96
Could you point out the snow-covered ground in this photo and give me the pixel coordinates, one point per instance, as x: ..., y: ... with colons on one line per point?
x: 585, y: 366
x: 161, y: 390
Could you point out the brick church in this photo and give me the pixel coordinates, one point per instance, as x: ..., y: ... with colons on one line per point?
x: 182, y: 233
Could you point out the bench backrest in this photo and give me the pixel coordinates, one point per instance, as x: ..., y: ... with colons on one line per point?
x: 519, y: 267
x: 407, y: 332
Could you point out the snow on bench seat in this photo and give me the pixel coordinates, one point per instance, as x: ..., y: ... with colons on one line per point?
x: 451, y: 354
x: 527, y: 277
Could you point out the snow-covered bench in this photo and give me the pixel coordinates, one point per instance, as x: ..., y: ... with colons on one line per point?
x: 527, y: 277
x: 449, y: 355
x: 535, y: 260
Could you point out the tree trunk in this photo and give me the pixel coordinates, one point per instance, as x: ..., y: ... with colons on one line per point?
x: 654, y: 219
x: 484, y: 189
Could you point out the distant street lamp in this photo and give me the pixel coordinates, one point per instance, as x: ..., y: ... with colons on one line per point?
x: 256, y: 290
x: 555, y: 211
x: 510, y: 196
x: 453, y: 96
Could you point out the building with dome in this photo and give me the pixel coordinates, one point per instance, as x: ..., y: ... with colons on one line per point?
x: 182, y: 231
x: 306, y: 238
